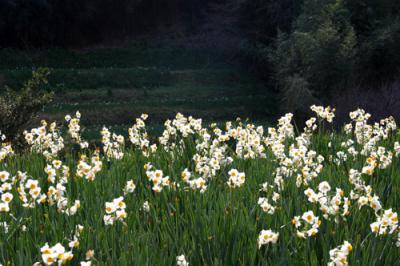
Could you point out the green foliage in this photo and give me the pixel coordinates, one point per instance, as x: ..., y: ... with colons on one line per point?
x: 321, y: 48
x: 368, y: 15
x: 379, y: 57
x: 141, y: 78
x: 261, y: 19
x: 331, y: 45
x: 18, y: 107
x: 296, y: 94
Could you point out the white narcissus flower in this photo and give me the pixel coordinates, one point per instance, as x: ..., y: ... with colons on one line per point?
x: 4, y: 207
x: 115, y: 211
x: 324, y: 187
x: 146, y: 206
x: 110, y: 207
x: 129, y: 187
x: 181, y: 261
x: 267, y: 236
x: 7, y: 197
x: 4, y: 175
x: 236, y: 179
x: 338, y: 256
x: 308, y: 217
x: 55, y: 254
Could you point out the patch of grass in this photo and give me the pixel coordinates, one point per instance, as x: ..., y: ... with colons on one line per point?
x: 126, y: 57
x: 113, y: 85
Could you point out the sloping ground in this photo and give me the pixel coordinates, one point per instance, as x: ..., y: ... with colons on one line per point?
x: 113, y: 86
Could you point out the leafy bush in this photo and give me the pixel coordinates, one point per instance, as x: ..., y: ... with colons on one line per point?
x: 18, y: 107
x: 321, y: 49
x: 316, y: 59
x: 330, y: 45
x: 296, y: 95
x: 379, y: 57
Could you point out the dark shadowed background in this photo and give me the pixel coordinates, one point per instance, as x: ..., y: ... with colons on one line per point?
x: 216, y: 59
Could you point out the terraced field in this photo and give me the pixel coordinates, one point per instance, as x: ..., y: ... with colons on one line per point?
x: 113, y: 85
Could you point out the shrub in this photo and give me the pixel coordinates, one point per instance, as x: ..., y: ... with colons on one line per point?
x: 316, y: 60
x: 18, y: 107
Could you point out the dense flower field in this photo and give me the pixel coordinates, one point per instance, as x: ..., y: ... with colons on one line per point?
x: 223, y: 194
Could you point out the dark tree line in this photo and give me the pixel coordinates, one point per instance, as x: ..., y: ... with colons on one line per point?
x: 38, y: 23
x: 314, y: 50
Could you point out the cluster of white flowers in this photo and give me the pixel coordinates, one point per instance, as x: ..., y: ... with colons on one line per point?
x: 57, y: 169
x: 300, y: 161
x: 211, y: 148
x: 74, y: 242
x: 181, y: 126
x: 350, y: 151
x: 56, y: 254
x: 310, y: 125
x: 211, y: 153
x: 88, y: 170
x: 369, y: 135
x: 307, y: 167
x: 5, y: 148
x: 248, y: 140
x: 195, y: 183
x: 387, y: 223
x: 340, y: 157
x: 325, y: 113
x: 379, y: 158
x: 129, y: 187
x: 236, y: 178
x: 5, y: 188
x: 264, y: 203
x: 74, y: 129
x: 311, y: 224
x: 29, y: 191
x: 56, y: 196
x: 338, y: 256
x: 115, y: 211
x: 49, y: 143
x: 139, y: 137
x: 157, y: 178
x: 113, y: 144
x: 370, y: 201
x: 387, y: 220
x: 267, y: 236
x: 331, y: 205
x: 30, y: 194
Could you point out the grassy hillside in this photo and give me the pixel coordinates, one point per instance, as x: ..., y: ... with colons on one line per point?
x: 112, y: 85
